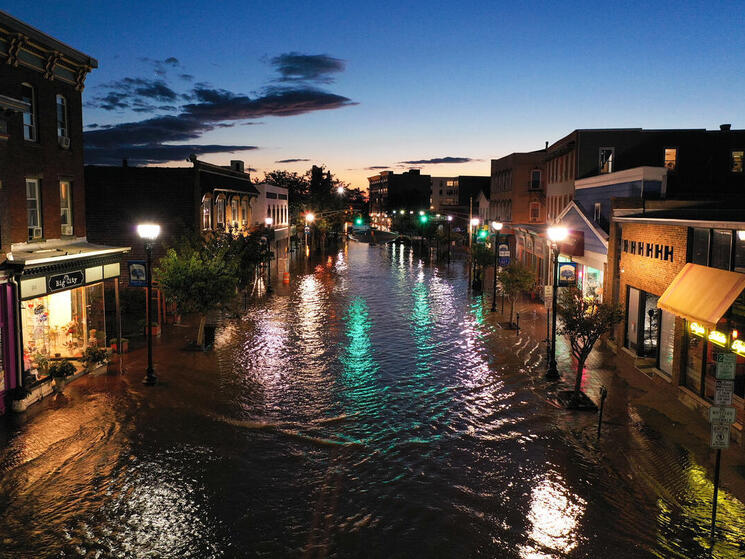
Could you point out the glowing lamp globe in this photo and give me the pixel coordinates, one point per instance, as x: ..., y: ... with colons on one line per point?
x: 558, y: 234
x: 309, y: 218
x: 475, y: 221
x: 496, y: 225
x: 268, y: 221
x: 148, y: 231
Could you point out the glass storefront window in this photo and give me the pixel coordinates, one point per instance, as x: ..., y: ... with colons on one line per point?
x: 62, y: 325
x: 694, y: 362
x: 700, y: 252
x: 721, y: 248
x: 592, y: 282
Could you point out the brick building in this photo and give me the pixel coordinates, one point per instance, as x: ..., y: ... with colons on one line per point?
x: 51, y: 277
x: 203, y: 197
x: 406, y: 191
x: 679, y: 274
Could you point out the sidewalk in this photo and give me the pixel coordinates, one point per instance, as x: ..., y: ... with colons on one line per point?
x: 635, y: 404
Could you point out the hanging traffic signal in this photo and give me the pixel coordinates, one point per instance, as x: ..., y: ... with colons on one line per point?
x: 482, y: 234
x: 423, y: 218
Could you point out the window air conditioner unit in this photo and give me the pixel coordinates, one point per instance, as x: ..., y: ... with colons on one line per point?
x: 67, y: 230
x: 36, y: 233
x: 64, y: 142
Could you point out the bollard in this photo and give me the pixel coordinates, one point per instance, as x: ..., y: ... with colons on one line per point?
x: 603, y: 395
x: 517, y: 324
x: 286, y: 278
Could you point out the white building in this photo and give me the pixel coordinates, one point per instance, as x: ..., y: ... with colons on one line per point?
x: 272, y: 203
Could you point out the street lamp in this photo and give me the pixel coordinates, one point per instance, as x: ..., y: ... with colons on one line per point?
x: 149, y: 232
x: 340, y: 191
x: 497, y: 226
x: 556, y: 235
x: 309, y: 217
x: 268, y: 222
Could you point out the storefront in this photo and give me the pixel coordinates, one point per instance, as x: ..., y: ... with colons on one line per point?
x: 58, y: 307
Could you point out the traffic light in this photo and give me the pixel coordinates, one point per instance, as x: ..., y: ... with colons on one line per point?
x: 482, y: 234
x: 423, y: 218
x: 358, y: 221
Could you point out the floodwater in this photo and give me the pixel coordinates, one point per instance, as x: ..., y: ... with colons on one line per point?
x: 370, y: 409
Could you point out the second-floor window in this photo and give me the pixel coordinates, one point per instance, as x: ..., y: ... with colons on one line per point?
x: 606, y: 160
x: 62, y: 129
x: 65, y: 202
x: 33, y: 209
x: 535, y: 179
x: 535, y: 211
x: 29, y: 117
x: 671, y: 158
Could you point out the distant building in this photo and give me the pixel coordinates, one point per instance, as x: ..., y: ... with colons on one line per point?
x: 51, y: 277
x: 203, y: 197
x: 444, y: 193
x: 272, y: 203
x: 700, y: 162
x: 518, y: 194
x: 406, y: 191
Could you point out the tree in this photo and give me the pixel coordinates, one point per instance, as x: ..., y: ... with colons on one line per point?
x: 515, y: 279
x: 584, y: 320
x: 199, y: 279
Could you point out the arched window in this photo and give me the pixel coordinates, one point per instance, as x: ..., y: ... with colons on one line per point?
x: 206, y: 213
x: 29, y: 117
x: 244, y: 212
x: 220, y: 212
x: 62, y: 129
x: 234, y: 218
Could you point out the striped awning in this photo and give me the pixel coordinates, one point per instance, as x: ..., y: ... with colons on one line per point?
x: 702, y: 294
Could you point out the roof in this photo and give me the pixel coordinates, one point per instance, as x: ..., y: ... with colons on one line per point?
x: 36, y: 255
x: 726, y: 216
x: 37, y: 36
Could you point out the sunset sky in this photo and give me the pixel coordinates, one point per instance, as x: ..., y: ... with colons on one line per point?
x: 358, y: 86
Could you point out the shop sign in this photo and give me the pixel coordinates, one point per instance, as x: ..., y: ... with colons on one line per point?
x: 738, y: 346
x: 718, y: 338
x: 567, y: 274
x: 65, y: 281
x: 726, y: 364
x: 137, y: 273
x: 719, y: 436
x: 723, y: 392
x: 697, y: 329
x: 721, y: 414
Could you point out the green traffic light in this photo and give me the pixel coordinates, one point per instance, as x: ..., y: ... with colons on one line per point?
x: 483, y: 233
x: 358, y: 221
x: 423, y: 218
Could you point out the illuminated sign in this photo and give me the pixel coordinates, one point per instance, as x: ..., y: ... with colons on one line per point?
x: 718, y: 338
x: 697, y: 329
x: 738, y: 346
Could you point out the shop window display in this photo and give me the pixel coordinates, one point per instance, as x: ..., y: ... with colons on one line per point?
x: 62, y: 325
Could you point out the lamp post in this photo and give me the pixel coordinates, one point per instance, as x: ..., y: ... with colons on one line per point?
x: 556, y: 235
x: 149, y: 232
x: 475, y: 221
x: 450, y: 220
x: 497, y: 226
x: 423, y: 220
x: 268, y: 221
x: 309, y: 217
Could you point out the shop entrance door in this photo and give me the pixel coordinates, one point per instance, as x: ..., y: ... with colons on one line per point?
x: 650, y: 335
x: 632, y: 318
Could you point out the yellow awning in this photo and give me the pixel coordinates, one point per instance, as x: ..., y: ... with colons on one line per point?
x: 702, y: 294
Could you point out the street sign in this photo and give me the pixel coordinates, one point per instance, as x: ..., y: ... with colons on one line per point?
x: 723, y: 392
x: 548, y: 293
x: 504, y: 250
x: 504, y: 260
x: 721, y: 414
x: 719, y: 436
x: 137, y: 273
x: 726, y: 363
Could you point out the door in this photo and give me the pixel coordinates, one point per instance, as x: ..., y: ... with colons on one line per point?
x: 632, y: 319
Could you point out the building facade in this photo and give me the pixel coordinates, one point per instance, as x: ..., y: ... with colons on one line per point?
x: 444, y: 193
x: 272, y: 203
x: 51, y: 276
x: 203, y: 197
x: 390, y: 192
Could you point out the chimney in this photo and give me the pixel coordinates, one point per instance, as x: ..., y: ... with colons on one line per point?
x: 236, y: 165
x: 546, y: 145
x: 125, y: 163
x: 725, y: 127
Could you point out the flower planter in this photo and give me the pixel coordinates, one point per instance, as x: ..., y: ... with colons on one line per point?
x: 124, y: 344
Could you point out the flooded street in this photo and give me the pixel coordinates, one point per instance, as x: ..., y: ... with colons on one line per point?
x: 370, y: 409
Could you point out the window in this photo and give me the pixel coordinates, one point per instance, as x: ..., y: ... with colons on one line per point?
x: 721, y: 248
x: 206, y: 213
x: 65, y: 202
x: 700, y: 249
x: 597, y: 213
x: 220, y: 212
x: 737, y: 161
x: 29, y: 117
x: 234, y: 211
x: 535, y: 211
x: 244, y: 212
x: 535, y: 179
x: 33, y: 209
x: 739, y: 253
x: 606, y: 160
x: 671, y: 158
x: 62, y: 131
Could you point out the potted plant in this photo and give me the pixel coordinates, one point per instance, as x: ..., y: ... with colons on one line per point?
x: 18, y: 398
x: 94, y: 356
x: 124, y: 345
x: 60, y: 371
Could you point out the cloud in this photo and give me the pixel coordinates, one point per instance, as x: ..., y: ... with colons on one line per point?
x: 438, y: 160
x: 154, y: 153
x: 135, y: 94
x: 186, y: 77
x: 377, y: 167
x: 291, y: 160
x: 296, y: 67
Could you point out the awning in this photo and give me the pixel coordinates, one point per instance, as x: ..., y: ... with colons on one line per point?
x: 702, y: 294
